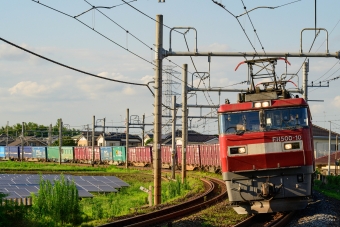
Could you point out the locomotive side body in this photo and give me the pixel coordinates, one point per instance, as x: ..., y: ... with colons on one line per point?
x: 266, y: 150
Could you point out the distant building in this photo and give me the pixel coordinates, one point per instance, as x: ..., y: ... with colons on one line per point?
x: 4, y: 141
x: 118, y: 139
x: 29, y: 141
x: 322, y: 163
x: 321, y: 141
x: 85, y: 139
x: 193, y: 138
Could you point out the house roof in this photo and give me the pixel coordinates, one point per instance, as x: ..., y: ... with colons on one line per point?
x: 17, y: 142
x: 3, y: 140
x: 193, y: 137
x: 324, y: 159
x: 322, y: 132
x: 121, y: 137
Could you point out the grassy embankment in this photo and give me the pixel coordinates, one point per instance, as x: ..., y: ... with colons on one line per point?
x: 330, y: 187
x: 103, y: 207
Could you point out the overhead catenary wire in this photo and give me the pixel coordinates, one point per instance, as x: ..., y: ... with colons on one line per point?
x: 267, y: 7
x: 150, y: 62
x: 102, y: 7
x: 72, y: 68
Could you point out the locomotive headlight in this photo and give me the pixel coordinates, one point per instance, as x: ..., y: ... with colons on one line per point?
x: 265, y: 104
x: 241, y: 150
x: 237, y: 150
x: 288, y: 146
x: 261, y: 104
x: 257, y: 105
x: 291, y: 146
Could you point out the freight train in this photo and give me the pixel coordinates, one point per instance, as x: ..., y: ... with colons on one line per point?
x: 203, y: 156
x: 266, y: 145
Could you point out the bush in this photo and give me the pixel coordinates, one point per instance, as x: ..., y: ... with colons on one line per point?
x: 58, y: 202
x: 11, y: 214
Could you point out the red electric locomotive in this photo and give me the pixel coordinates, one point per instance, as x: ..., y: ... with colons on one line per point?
x: 266, y: 146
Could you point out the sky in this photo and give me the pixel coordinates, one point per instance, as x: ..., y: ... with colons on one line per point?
x: 35, y: 90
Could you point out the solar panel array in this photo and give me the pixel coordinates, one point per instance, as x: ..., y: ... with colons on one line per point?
x: 22, y: 185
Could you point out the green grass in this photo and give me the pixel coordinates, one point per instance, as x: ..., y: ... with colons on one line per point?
x: 329, y: 189
x: 104, y: 208
x: 55, y: 167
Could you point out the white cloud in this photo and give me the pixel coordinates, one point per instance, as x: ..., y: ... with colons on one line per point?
x: 128, y: 90
x: 146, y: 79
x: 336, y: 102
x: 103, y: 74
x: 317, y: 109
x: 12, y: 53
x: 28, y: 88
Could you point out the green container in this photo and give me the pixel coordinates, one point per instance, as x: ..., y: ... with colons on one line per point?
x: 118, y: 154
x: 66, y: 154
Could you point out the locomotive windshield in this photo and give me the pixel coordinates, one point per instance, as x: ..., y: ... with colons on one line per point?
x: 273, y: 119
x: 286, y: 118
x: 240, y: 121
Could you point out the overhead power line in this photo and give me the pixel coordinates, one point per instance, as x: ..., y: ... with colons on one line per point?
x: 107, y: 37
x: 102, y: 7
x: 72, y: 68
x: 267, y: 7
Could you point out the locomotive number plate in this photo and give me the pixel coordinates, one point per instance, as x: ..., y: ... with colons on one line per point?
x: 286, y: 138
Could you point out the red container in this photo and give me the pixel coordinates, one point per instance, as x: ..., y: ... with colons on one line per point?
x: 193, y: 159
x: 179, y: 155
x: 79, y: 154
x: 96, y: 154
x: 85, y: 155
x: 140, y: 156
x: 193, y: 155
x: 166, y: 156
x: 210, y: 156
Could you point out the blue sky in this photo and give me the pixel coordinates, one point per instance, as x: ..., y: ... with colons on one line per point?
x: 38, y: 91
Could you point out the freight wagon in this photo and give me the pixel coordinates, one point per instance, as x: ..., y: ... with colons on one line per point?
x: 197, y: 156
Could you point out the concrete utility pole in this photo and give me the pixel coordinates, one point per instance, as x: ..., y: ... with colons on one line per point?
x: 87, y: 135
x: 184, y: 120
x: 60, y: 138
x: 22, y: 141
x: 305, y: 70
x: 127, y: 138
x: 7, y: 134
x: 143, y: 130
x: 329, y: 148
x: 158, y: 110
x: 104, y: 128
x: 173, y: 140
x: 93, y: 130
x: 7, y: 137
x: 50, y: 135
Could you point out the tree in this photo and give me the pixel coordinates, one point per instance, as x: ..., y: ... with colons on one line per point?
x: 67, y: 141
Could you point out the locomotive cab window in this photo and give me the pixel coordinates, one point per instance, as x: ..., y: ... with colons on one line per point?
x: 289, y: 118
x: 231, y: 123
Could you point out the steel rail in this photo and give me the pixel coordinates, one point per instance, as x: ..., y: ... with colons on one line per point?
x: 278, y: 220
x: 174, y: 212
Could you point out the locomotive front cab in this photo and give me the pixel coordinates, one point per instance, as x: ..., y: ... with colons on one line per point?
x: 266, y: 151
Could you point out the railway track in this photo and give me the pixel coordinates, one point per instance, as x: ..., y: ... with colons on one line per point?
x: 278, y: 219
x: 215, y: 192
